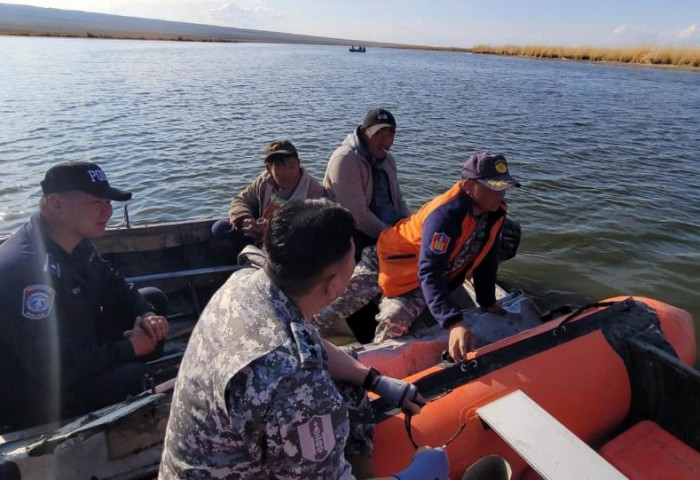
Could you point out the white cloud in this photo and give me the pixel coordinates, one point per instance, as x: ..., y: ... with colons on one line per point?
x: 621, y: 30
x: 630, y: 35
x: 244, y: 12
x: 689, y: 31
x: 634, y: 34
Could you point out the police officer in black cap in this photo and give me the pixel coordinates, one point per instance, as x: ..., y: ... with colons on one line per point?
x: 73, y: 332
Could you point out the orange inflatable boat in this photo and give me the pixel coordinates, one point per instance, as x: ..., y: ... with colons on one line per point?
x: 617, y: 375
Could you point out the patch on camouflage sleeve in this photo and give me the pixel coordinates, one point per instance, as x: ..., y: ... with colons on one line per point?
x: 310, y: 350
x: 317, y: 438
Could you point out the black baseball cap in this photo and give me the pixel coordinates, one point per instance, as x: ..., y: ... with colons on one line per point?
x: 489, y: 169
x: 378, y: 118
x: 280, y: 149
x: 82, y: 176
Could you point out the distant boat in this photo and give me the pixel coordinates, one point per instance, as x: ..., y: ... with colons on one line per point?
x: 359, y: 49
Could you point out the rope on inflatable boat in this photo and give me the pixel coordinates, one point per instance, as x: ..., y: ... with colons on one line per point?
x: 464, y: 366
x: 407, y: 423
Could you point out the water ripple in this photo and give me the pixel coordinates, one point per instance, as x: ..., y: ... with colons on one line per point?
x: 608, y: 156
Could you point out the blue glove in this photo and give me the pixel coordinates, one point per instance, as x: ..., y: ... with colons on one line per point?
x: 426, y: 465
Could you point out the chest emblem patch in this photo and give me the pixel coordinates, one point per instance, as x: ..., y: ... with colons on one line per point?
x: 37, y: 301
x: 316, y: 438
x: 439, y: 243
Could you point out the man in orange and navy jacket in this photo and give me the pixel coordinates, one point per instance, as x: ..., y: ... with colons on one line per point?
x: 414, y: 264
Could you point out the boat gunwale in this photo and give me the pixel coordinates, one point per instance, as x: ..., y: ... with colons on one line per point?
x: 497, y: 355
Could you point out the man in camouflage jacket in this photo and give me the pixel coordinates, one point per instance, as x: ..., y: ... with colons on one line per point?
x: 254, y: 396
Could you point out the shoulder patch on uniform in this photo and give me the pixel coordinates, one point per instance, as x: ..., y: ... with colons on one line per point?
x: 308, y: 344
x: 439, y: 243
x: 316, y: 438
x: 37, y: 301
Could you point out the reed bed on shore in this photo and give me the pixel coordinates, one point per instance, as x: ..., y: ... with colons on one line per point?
x: 642, y: 54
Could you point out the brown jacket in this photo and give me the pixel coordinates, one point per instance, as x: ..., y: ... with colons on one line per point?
x: 254, y: 198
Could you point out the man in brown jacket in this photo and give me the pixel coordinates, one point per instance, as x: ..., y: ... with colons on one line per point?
x: 361, y: 176
x: 284, y: 179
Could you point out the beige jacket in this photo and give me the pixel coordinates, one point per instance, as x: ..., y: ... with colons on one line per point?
x: 348, y: 180
x: 254, y: 198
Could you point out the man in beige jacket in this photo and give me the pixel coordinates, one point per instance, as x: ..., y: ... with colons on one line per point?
x: 361, y: 176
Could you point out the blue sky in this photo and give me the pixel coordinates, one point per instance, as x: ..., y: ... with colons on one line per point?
x: 461, y: 23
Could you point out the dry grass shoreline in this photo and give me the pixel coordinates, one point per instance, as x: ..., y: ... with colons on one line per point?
x: 642, y: 55
x: 684, y: 57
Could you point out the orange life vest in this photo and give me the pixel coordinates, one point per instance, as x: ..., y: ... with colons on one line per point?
x: 398, y: 247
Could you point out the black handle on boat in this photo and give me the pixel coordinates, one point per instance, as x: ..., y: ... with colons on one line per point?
x: 562, y: 325
x: 557, y: 311
x: 446, y: 357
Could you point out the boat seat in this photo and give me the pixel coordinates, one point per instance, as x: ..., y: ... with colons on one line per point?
x: 156, y: 277
x: 648, y: 451
x: 550, y: 448
x: 186, y: 274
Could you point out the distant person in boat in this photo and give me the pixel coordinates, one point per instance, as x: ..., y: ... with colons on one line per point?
x: 362, y: 176
x: 284, y: 179
x: 73, y: 332
x: 416, y: 262
x: 259, y: 393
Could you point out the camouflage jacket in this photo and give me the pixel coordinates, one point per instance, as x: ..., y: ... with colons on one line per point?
x: 254, y: 398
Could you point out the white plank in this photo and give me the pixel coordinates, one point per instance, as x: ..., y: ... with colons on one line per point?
x: 546, y: 445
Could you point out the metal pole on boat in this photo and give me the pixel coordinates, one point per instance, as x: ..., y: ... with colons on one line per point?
x: 127, y: 223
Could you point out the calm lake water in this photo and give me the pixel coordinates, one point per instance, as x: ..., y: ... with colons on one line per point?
x: 608, y: 155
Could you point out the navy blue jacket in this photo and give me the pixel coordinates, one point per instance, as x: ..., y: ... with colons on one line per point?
x: 445, y: 221
x: 51, y: 306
